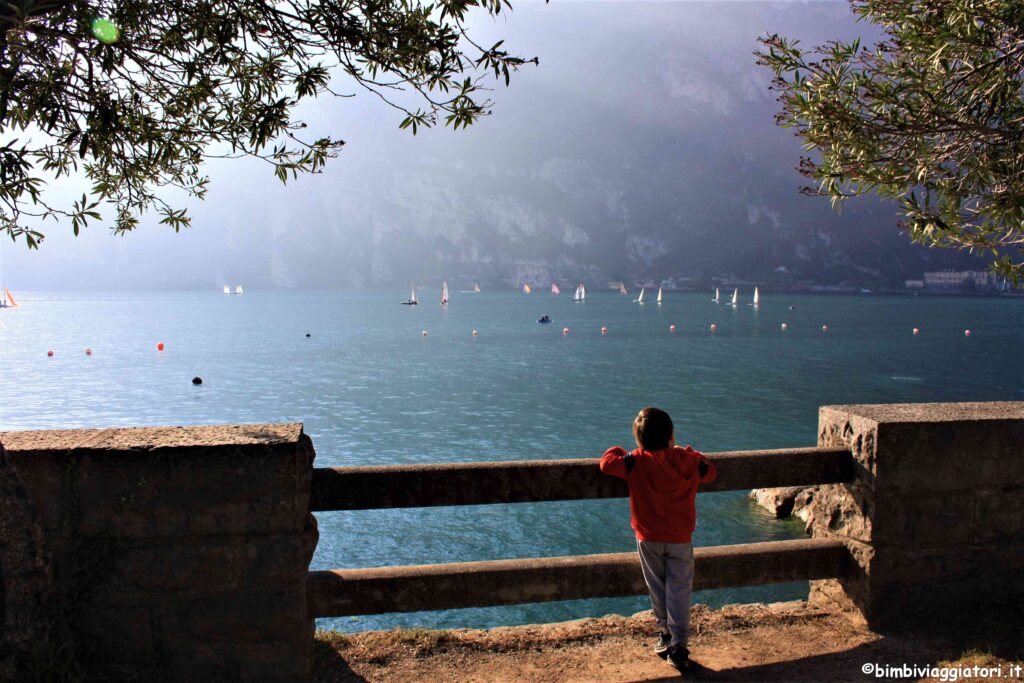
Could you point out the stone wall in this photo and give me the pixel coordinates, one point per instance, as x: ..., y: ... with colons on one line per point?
x: 183, y: 550
x: 935, y: 516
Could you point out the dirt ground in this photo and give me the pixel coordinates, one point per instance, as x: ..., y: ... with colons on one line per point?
x: 790, y: 641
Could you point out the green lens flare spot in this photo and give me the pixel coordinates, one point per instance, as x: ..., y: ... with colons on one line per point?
x: 105, y: 31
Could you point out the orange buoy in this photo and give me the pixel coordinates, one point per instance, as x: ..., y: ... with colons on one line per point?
x: 714, y: 327
x: 604, y: 330
x: 88, y: 352
x: 565, y: 331
x: 671, y: 328
x: 160, y: 346
x: 967, y: 333
x: 784, y: 327
x: 49, y: 354
x: 917, y: 331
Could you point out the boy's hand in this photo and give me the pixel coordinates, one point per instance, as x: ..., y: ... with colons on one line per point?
x: 703, y: 467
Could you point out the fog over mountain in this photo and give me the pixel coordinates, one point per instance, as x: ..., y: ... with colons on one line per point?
x: 643, y: 146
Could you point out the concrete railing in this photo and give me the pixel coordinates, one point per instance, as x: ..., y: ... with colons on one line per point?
x: 187, y: 549
x: 343, y: 592
x: 525, y: 481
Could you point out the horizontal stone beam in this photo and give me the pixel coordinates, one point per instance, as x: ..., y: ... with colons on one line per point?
x: 346, y: 592
x: 524, y: 481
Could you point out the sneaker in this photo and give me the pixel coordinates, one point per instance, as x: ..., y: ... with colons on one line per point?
x: 662, y: 646
x: 679, y: 657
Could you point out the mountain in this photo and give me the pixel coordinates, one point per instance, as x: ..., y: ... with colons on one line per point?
x: 643, y: 146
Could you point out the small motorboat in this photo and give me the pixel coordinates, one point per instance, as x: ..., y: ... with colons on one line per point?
x: 544, y: 319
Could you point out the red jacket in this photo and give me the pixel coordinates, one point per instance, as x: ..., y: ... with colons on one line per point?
x: 662, y: 489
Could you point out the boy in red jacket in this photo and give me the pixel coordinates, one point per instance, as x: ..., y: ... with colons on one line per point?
x: 663, y: 480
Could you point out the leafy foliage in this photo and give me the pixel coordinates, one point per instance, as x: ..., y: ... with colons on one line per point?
x: 189, y: 80
x: 932, y: 115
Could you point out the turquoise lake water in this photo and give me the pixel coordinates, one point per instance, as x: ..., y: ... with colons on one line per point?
x: 371, y: 389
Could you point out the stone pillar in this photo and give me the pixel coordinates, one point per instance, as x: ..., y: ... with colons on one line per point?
x: 183, y: 550
x: 33, y: 642
x: 935, y: 516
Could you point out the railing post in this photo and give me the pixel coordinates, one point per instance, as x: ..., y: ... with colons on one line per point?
x: 179, y: 549
x: 935, y: 514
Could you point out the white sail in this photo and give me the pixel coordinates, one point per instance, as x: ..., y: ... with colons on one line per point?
x: 444, y: 293
x: 659, y: 295
x: 757, y: 297
x: 735, y: 296
x: 412, y: 295
x: 717, y: 296
x: 227, y: 290
x: 476, y: 288
x: 238, y: 289
x: 581, y: 293
x: 640, y: 299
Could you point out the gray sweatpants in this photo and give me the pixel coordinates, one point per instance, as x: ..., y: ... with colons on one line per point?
x: 668, y: 571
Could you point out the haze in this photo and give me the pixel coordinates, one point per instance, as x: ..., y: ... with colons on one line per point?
x: 643, y: 146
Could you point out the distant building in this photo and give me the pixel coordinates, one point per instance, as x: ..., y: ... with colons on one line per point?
x: 914, y: 284
x: 958, y: 279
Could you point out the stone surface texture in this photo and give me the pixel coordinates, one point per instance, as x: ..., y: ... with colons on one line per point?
x: 342, y: 592
x: 33, y: 641
x: 474, y: 483
x: 935, y: 514
x: 179, y: 549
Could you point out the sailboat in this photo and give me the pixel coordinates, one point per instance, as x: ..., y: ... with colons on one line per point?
x: 717, y: 297
x: 526, y: 289
x: 411, y: 301
x: 580, y: 294
x: 622, y: 288
x: 227, y: 290
x: 640, y: 299
x: 757, y: 298
x: 735, y: 297
x: 238, y: 289
x: 476, y: 288
x: 555, y: 289
x: 659, y: 296
x: 7, y: 301
x: 444, y: 292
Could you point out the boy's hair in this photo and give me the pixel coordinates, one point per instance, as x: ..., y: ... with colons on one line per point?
x: 652, y: 429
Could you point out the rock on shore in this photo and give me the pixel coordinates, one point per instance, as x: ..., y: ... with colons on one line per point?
x: 785, y: 501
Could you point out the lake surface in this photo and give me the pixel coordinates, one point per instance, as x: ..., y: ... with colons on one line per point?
x: 371, y: 389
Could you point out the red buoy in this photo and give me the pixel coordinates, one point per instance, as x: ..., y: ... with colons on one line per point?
x: 967, y: 333
x: 917, y: 331
x: 565, y: 331
x: 604, y: 330
x: 671, y: 328
x: 714, y: 327
x: 784, y: 327
x: 49, y: 354
x: 88, y: 352
x: 160, y: 346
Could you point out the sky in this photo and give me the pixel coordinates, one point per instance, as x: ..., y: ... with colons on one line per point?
x: 642, y: 145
